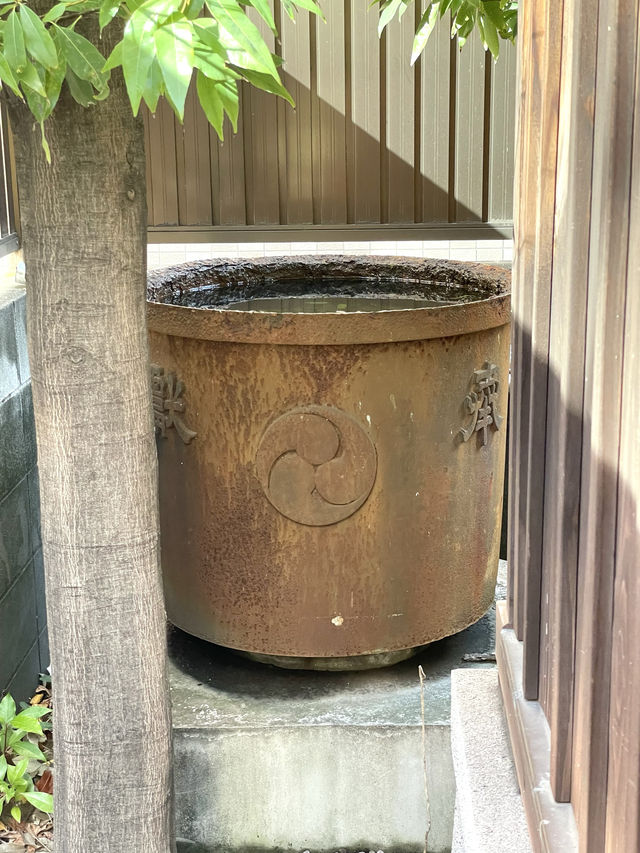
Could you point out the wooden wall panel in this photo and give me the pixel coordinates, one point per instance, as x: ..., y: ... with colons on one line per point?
x: 260, y: 124
x: 566, y: 372
x: 547, y: 47
x: 329, y: 117
x: 524, y: 238
x: 372, y: 140
x: 297, y: 194
x: 193, y: 164
x: 162, y: 173
x: 363, y: 135
x: 614, y: 115
x: 469, y: 136
x: 502, y: 134
x: 623, y: 796
x: 400, y: 121
x: 228, y: 191
x: 575, y: 450
x: 435, y: 96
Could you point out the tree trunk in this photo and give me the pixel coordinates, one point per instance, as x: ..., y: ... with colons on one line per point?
x: 84, y: 237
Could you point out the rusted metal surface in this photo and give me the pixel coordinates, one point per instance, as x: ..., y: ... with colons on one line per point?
x: 329, y: 505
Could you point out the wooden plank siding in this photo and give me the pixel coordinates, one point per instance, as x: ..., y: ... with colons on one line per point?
x: 524, y: 240
x: 574, y: 548
x: 372, y: 140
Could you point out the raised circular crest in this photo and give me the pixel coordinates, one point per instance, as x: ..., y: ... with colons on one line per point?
x: 317, y: 465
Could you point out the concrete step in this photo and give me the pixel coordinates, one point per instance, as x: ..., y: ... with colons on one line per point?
x: 268, y: 760
x: 489, y: 815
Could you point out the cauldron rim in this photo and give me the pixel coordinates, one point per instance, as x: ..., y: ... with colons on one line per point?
x: 491, y: 309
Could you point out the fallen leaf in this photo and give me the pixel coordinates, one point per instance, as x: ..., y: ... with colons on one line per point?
x: 45, y: 782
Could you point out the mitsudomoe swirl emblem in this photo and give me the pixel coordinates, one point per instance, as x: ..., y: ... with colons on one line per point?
x: 316, y: 464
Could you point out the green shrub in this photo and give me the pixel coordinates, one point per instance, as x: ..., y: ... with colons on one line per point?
x: 21, y: 733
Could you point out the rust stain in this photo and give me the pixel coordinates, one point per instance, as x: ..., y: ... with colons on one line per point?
x: 327, y: 508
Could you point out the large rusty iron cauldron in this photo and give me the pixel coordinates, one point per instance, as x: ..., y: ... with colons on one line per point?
x: 330, y: 484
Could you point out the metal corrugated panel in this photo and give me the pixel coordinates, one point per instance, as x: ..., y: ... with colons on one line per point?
x: 373, y: 141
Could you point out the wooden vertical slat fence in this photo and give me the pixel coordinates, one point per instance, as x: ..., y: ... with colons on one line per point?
x: 373, y: 141
x: 575, y: 436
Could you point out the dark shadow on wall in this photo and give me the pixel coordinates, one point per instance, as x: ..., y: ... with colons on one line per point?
x: 574, y: 587
x: 311, y: 167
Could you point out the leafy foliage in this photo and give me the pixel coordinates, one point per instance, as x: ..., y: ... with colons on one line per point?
x: 495, y: 20
x: 20, y: 733
x: 164, y: 43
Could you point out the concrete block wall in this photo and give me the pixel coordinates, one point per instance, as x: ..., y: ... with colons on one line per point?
x: 24, y: 651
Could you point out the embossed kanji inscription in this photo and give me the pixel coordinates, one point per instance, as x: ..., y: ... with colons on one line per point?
x: 168, y: 405
x: 317, y: 465
x: 481, y: 403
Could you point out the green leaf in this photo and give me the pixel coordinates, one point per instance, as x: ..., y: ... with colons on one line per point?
x: 263, y: 8
x: 30, y: 77
x: 425, y: 28
x: 387, y: 11
x: 81, y: 8
x: 45, y: 144
x: 39, y: 105
x: 14, y: 47
x: 194, y: 8
x: 211, y: 64
x: 7, y: 709
x: 311, y: 6
x: 208, y: 33
x: 494, y: 12
x: 245, y: 46
x: 41, y: 801
x: 138, y: 52
x: 83, y: 58
x: 108, y: 11
x: 29, y: 750
x: 489, y: 34
x: 154, y: 87
x: 36, y: 711
x: 212, y: 101
x: 16, y: 814
x: 55, y: 12
x: 14, y: 738
x: 7, y: 76
x: 16, y: 772
x: 115, y: 58
x: 174, y: 45
x: 25, y: 722
x: 3, y: 767
x: 82, y: 91
x: 267, y: 84
x: 38, y: 41
x: 23, y: 783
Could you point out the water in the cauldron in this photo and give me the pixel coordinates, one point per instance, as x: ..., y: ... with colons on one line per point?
x: 325, y: 296
x: 330, y: 304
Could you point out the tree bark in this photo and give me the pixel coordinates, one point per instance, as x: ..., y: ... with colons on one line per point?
x: 84, y: 237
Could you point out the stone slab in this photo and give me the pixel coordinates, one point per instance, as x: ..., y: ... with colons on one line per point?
x: 274, y: 760
x: 14, y: 461
x: 15, y: 534
x: 17, y: 624
x: 9, y: 364
x: 489, y: 814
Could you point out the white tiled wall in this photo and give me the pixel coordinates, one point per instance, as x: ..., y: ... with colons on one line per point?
x: 487, y: 251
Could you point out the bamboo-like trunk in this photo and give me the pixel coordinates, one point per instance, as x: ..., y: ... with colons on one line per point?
x: 84, y: 237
